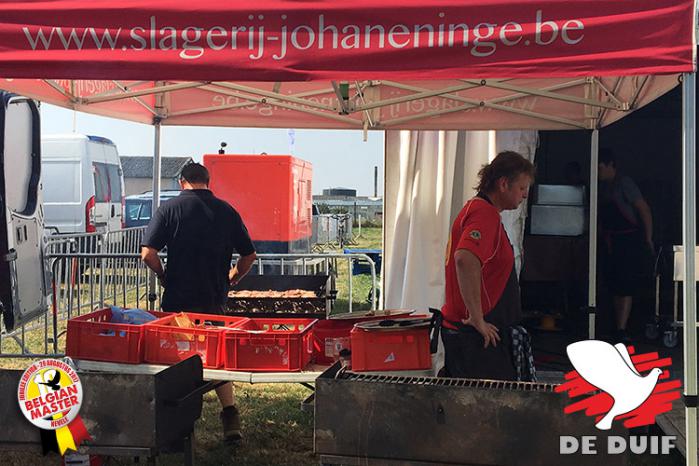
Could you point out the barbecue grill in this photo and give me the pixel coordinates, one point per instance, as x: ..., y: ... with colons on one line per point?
x: 125, y: 414
x: 392, y: 420
x: 260, y: 305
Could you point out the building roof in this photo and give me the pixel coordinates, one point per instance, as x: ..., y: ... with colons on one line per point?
x: 348, y: 202
x: 142, y: 167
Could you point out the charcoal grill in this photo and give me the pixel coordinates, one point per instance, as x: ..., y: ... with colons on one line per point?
x: 364, y: 419
x: 125, y: 414
x: 317, y: 307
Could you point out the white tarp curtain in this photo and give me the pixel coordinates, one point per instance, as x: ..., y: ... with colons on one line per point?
x: 429, y: 177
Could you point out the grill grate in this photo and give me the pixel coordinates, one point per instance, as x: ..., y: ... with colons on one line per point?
x: 447, y: 382
x: 291, y: 305
x: 262, y: 283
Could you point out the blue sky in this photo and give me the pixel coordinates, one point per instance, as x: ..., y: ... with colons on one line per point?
x: 339, y: 158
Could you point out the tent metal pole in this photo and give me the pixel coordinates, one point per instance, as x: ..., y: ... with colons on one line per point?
x: 592, y: 258
x: 689, y: 242
x: 156, y: 166
x: 152, y: 295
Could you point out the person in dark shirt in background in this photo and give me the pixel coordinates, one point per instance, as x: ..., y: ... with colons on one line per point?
x: 626, y: 228
x: 201, y: 233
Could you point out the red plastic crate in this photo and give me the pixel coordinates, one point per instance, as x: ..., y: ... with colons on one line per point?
x: 390, y: 350
x: 167, y: 344
x: 284, y: 345
x: 330, y: 336
x: 92, y: 336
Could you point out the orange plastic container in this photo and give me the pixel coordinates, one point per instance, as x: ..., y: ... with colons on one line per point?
x: 390, y: 350
x: 330, y: 336
x: 166, y: 343
x: 92, y: 336
x: 273, y: 195
x: 269, y: 344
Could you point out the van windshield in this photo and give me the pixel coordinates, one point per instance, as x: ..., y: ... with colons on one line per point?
x: 145, y: 210
x: 132, y: 209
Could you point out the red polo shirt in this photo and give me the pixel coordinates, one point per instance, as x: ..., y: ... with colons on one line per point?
x: 478, y: 228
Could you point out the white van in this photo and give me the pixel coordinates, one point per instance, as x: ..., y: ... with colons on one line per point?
x: 83, y: 184
x: 24, y: 290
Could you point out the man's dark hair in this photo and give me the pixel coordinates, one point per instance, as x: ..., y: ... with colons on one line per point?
x: 509, y: 164
x: 195, y: 173
x: 606, y: 156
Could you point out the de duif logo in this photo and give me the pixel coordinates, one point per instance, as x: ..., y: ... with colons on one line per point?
x: 610, y: 383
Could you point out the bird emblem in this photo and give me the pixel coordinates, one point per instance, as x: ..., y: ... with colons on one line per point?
x: 54, y: 383
x: 609, y: 368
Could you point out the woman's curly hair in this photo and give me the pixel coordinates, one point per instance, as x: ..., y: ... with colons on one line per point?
x: 509, y: 164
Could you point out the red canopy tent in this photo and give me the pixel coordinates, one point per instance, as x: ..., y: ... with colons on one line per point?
x: 490, y: 64
x: 391, y: 64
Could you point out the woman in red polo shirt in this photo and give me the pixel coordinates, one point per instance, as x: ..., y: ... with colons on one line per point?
x: 482, y: 292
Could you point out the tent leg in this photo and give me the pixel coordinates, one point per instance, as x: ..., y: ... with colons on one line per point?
x: 156, y: 166
x: 689, y: 242
x: 152, y: 294
x: 592, y: 258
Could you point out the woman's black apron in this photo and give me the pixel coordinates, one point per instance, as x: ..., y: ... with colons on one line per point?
x: 465, y: 356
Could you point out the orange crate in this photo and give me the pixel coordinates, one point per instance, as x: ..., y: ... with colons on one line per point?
x: 390, y: 350
x: 282, y: 345
x: 167, y: 344
x: 92, y: 336
x: 330, y: 336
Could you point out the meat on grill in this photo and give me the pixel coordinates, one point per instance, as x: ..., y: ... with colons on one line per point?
x: 253, y: 294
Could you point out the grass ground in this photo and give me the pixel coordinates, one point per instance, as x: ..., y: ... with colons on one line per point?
x: 371, y: 238
x: 277, y: 431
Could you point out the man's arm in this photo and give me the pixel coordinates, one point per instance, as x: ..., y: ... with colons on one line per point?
x: 150, y: 257
x: 643, y: 210
x: 468, y: 274
x: 242, y: 267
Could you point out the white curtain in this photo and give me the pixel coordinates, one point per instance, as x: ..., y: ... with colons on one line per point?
x: 429, y: 177
x: 525, y: 143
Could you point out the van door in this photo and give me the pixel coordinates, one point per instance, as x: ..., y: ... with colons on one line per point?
x: 116, y: 197
x: 23, y: 277
x: 109, y: 194
x: 100, y: 209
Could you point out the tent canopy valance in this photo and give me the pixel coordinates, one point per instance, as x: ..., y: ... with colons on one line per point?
x: 393, y: 64
x: 335, y: 40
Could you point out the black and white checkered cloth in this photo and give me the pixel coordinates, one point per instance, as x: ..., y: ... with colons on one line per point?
x: 522, y: 354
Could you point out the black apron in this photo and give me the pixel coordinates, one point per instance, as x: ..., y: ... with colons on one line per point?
x: 464, y: 355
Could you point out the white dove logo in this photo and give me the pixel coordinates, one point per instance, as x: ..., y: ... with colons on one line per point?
x: 610, y: 369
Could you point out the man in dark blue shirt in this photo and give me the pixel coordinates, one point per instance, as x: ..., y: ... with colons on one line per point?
x: 201, y: 233
x: 626, y: 228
